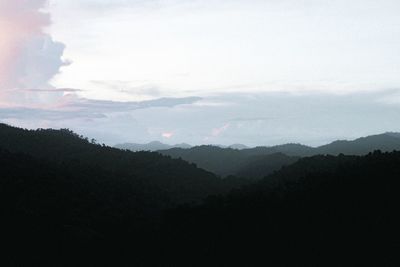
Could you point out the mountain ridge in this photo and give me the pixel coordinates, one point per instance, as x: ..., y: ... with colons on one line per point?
x: 292, y: 149
x: 228, y: 161
x: 178, y: 179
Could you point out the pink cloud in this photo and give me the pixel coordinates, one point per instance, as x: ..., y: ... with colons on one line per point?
x: 167, y: 135
x: 218, y: 131
x: 29, y: 58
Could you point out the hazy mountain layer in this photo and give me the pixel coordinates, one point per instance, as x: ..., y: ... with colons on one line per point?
x: 152, y: 146
x: 226, y: 161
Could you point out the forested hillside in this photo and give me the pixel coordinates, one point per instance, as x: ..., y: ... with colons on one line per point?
x: 181, y: 181
x: 228, y: 161
x: 261, y: 161
x: 65, y: 201
x: 321, y: 211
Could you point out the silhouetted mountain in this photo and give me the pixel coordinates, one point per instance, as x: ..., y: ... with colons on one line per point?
x: 393, y: 134
x: 152, y: 146
x: 257, y: 167
x: 212, y: 158
x: 362, y: 146
x: 228, y: 161
x: 297, y: 150
x: 156, y: 145
x: 320, y: 211
x: 67, y: 201
x: 238, y: 146
x: 67, y: 212
x: 182, y: 181
x: 57, y: 187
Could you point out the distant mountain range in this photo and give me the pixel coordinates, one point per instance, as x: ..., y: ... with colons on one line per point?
x: 228, y: 161
x: 152, y: 146
x: 386, y: 142
x: 234, y: 146
x: 157, y: 145
x: 257, y: 162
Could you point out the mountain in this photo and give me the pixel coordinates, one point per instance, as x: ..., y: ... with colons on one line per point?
x: 321, y: 210
x: 228, y: 161
x: 297, y: 150
x: 257, y: 167
x: 65, y: 200
x: 152, y: 146
x: 238, y: 146
x: 394, y: 134
x: 362, y: 146
x: 178, y: 180
x: 156, y: 145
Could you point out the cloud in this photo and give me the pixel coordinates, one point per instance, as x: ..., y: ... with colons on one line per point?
x: 71, y: 107
x: 47, y: 115
x: 138, y: 88
x: 167, y: 135
x: 218, y: 131
x: 64, y: 90
x: 254, y: 119
x: 29, y: 57
x: 106, y: 106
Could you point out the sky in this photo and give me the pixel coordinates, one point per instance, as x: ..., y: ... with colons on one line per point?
x: 202, y: 72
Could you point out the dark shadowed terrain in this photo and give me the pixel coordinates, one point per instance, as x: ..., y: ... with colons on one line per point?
x: 66, y: 201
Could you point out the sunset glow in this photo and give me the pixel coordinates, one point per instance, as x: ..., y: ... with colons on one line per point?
x: 167, y: 135
x: 7, y: 51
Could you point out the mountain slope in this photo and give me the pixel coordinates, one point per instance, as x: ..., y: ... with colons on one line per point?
x: 66, y: 200
x: 361, y: 146
x: 226, y: 161
x: 257, y: 167
x: 70, y: 212
x: 180, y: 180
x: 320, y: 211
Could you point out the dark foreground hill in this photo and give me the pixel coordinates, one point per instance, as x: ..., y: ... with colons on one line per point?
x: 179, y: 180
x: 67, y: 202
x: 61, y: 194
x: 321, y: 211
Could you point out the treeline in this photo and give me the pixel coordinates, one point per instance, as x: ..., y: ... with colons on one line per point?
x: 258, y: 162
x: 66, y: 201
x: 248, y: 163
x: 65, y: 198
x: 321, y: 211
x: 181, y: 181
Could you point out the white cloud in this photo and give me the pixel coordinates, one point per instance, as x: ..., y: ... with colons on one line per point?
x: 232, y: 45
